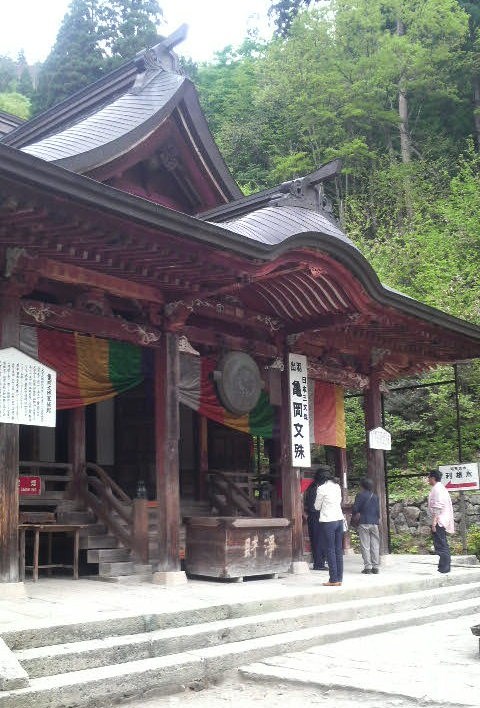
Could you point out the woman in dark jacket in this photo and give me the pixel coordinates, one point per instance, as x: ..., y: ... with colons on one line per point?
x: 318, y: 553
x: 367, y: 509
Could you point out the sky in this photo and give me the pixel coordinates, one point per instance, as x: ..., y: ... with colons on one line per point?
x: 32, y: 25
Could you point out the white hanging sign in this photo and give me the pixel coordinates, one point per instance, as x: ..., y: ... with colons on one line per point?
x: 379, y: 439
x: 28, y: 390
x: 299, y: 410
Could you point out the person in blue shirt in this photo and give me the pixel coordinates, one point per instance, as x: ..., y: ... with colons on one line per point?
x: 367, y: 506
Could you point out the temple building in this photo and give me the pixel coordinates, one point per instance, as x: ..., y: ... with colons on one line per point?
x: 171, y: 308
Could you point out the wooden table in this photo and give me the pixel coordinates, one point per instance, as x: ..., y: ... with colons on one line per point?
x: 48, y: 529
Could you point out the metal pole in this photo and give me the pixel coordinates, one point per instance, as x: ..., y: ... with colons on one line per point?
x: 463, y: 506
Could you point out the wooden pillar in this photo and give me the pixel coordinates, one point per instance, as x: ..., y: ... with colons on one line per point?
x: 167, y: 434
x: 9, y: 434
x: 76, y: 446
x: 290, y: 476
x: 375, y: 458
x: 202, y: 455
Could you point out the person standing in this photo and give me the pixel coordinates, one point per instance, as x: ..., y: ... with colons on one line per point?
x: 328, y: 504
x: 318, y: 554
x: 367, y: 506
x: 441, y: 513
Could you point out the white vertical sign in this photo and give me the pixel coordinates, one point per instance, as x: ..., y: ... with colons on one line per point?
x: 299, y: 411
x: 27, y: 390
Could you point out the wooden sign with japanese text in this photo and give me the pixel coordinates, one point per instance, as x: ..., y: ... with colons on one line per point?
x: 27, y: 390
x: 299, y: 410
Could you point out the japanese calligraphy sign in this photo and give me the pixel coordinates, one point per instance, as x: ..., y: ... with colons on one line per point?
x: 29, y: 486
x: 299, y: 411
x: 461, y: 476
x: 379, y: 439
x: 27, y: 390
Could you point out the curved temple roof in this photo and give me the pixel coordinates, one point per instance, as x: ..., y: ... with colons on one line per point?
x: 109, y: 131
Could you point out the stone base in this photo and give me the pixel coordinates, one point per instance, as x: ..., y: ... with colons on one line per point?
x: 12, y: 591
x: 299, y: 568
x: 170, y: 577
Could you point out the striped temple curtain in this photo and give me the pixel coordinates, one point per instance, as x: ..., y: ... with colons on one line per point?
x: 91, y: 369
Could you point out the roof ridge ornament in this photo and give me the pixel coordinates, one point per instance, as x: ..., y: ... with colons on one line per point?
x: 307, y: 192
x: 150, y: 62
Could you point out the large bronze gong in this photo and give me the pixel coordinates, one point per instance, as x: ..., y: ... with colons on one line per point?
x: 238, y: 382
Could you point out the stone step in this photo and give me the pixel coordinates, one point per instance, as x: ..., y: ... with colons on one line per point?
x: 138, y: 622
x: 75, y: 517
x: 105, y: 684
x: 114, y: 569
x: 100, y: 541
x: 104, y: 555
x: 88, y: 654
x: 95, y: 529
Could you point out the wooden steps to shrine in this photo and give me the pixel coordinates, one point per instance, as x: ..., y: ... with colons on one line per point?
x: 107, y: 660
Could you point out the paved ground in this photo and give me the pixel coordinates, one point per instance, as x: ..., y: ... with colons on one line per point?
x: 436, y: 664
x: 53, y: 601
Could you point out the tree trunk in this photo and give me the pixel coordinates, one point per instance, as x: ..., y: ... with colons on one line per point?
x: 405, y: 142
x: 476, y: 108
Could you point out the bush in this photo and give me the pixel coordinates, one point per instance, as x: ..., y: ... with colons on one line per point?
x: 473, y: 540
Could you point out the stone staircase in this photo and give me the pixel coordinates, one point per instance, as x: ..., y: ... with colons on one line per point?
x: 104, y: 661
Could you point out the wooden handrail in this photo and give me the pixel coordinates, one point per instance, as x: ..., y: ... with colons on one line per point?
x: 234, y: 494
x: 108, y: 481
x: 104, y: 497
x: 232, y: 484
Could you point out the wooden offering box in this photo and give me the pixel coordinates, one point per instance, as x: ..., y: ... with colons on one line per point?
x: 237, y: 547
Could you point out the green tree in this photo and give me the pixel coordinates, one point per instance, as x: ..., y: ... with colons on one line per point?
x: 16, y: 104
x: 284, y: 12
x: 95, y: 35
x: 472, y: 50
x: 24, y: 81
x: 131, y: 26
x: 76, y: 59
x: 7, y: 74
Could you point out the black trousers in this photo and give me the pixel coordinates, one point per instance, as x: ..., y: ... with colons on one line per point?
x: 442, y: 549
x: 318, y: 552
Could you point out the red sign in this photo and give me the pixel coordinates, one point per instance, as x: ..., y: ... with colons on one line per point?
x: 29, y: 486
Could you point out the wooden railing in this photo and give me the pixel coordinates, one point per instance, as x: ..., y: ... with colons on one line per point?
x: 228, y: 496
x: 126, y: 519
x: 55, y: 480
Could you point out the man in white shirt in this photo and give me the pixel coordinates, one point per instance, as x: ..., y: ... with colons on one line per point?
x: 441, y: 513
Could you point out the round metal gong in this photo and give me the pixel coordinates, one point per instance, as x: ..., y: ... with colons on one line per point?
x: 238, y: 382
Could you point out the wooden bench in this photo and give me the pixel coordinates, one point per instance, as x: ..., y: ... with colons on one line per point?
x: 50, y: 529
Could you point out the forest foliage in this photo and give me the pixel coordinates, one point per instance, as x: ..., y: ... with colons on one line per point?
x: 392, y: 87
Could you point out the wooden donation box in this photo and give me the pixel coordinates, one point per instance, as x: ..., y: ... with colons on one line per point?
x: 236, y: 547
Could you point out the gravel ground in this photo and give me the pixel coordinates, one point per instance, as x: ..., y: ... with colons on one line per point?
x: 245, y: 694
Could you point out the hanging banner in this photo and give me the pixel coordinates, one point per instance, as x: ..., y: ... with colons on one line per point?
x: 299, y: 410
x: 27, y: 390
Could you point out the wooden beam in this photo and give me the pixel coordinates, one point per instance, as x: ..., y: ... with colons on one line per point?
x: 9, y: 459
x: 167, y: 434
x: 77, y: 445
x: 36, y: 313
x: 199, y: 335
x: 76, y: 275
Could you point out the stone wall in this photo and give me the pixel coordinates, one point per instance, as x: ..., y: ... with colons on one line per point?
x: 411, y: 516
